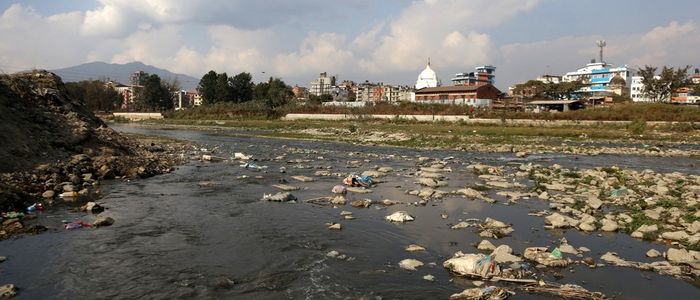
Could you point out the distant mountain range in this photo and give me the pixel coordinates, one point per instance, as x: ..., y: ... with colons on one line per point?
x: 120, y: 73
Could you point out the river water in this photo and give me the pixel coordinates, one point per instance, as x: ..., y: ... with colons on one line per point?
x: 202, y: 231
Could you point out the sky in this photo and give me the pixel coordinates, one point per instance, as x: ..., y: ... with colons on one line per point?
x: 385, y: 41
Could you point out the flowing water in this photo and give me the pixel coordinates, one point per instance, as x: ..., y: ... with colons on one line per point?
x: 202, y: 231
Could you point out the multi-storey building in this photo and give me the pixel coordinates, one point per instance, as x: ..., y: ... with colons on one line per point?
x: 322, y: 85
x: 483, y: 75
x: 597, y: 77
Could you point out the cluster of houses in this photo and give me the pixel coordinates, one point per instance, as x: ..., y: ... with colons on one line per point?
x: 182, y: 99
x: 601, y: 80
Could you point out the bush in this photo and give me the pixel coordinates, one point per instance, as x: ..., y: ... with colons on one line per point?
x: 637, y: 126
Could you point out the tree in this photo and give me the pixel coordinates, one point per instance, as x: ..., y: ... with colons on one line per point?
x: 207, y: 87
x: 659, y: 88
x: 273, y: 93
x: 97, y: 95
x: 535, y: 89
x: 696, y: 89
x: 326, y: 98
x: 154, y: 95
x: 241, y: 87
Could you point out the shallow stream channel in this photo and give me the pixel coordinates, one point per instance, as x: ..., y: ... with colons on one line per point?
x: 203, y: 231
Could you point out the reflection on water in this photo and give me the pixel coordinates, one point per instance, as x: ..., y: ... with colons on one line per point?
x: 176, y: 237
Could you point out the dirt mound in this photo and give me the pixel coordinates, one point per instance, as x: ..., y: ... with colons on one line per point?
x: 49, y: 141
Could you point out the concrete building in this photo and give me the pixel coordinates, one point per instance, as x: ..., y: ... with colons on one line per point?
x: 322, y: 85
x: 597, y: 77
x: 483, y: 75
x: 637, y: 90
x: 138, y: 78
x: 549, y: 79
x: 300, y: 92
x: 695, y: 78
x: 427, y: 79
x: 684, y: 95
x: 472, y: 95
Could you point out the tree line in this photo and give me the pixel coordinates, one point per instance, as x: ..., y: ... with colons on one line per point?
x: 220, y: 88
x: 98, y: 95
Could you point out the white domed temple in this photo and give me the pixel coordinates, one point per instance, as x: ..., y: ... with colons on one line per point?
x: 427, y: 78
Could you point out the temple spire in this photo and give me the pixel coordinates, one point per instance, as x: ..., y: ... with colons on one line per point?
x: 428, y: 61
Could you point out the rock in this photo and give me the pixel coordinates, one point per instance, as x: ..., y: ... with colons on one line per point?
x: 361, y: 203
x: 69, y: 188
x: 410, y: 264
x: 557, y: 220
x: 285, y: 187
x: 373, y: 174
x: 654, y: 214
x: 338, y: 200
x: 594, y: 202
x: 399, y: 216
x: 8, y: 290
x: 303, y: 178
x: 279, y: 197
x: 103, y: 221
x: 566, y: 248
x: 345, y: 213
x: 674, y: 255
x: 333, y: 253
x: 429, y: 277
x: 388, y: 202
x: 359, y: 190
x: 339, y: 189
x: 477, y: 283
x: 486, y: 246
x: 588, y: 261
x: 430, y: 182
x: 544, y: 195
x: 500, y: 184
x: 503, y: 254
x: 92, y: 207
x: 521, y: 154
x: 609, y: 225
x: 385, y: 169
x: 675, y: 235
x: 637, y: 235
x: 461, y: 225
x: 588, y: 227
x: 542, y: 256
x: 335, y: 226
x: 48, y: 194
x: 653, y: 253
x: 414, y: 248
x: 647, y: 228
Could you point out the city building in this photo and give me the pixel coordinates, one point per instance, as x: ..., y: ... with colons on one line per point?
x: 549, y: 79
x: 597, y: 76
x: 427, y: 79
x: 483, y: 75
x: 300, y: 92
x: 637, y: 90
x: 138, y: 78
x: 472, y: 95
x: 695, y: 78
x: 322, y: 85
x: 684, y: 95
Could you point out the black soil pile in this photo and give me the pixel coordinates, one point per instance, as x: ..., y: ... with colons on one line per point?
x: 52, y: 146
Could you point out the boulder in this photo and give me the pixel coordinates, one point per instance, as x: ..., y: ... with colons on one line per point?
x: 676, y: 256
x: 587, y: 227
x: 557, y: 220
x: 566, y: 248
x: 8, y: 291
x: 653, y: 253
x: 338, y: 200
x: 675, y: 235
x: 609, y: 225
x: 486, y: 245
x: 361, y: 203
x: 414, y: 248
x: 647, y: 228
x: 400, y: 217
x: 503, y: 254
x: 410, y: 264
x: 48, y: 194
x: 103, y: 221
x: 335, y: 226
x: 544, y: 257
x: 594, y: 202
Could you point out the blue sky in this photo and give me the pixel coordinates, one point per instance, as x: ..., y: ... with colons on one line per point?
x: 383, y: 41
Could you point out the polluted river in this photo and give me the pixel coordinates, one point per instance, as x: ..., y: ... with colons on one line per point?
x: 204, y: 230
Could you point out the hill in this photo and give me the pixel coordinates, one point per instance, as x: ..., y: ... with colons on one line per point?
x: 120, y: 73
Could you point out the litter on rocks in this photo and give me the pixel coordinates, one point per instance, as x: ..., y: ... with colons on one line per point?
x: 485, y: 293
x: 358, y: 181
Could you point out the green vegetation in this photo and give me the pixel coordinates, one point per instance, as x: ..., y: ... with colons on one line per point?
x: 659, y: 87
x: 96, y: 95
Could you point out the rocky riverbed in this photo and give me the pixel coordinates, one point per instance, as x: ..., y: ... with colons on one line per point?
x: 270, y: 218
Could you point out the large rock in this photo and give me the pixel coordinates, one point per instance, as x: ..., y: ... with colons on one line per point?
x: 410, y: 264
x: 594, y: 202
x: 557, y: 220
x: 648, y: 228
x: 103, y: 221
x: 653, y: 253
x: 503, y: 254
x: 399, y: 217
x: 674, y: 255
x: 609, y: 225
x: 8, y: 291
x: 675, y: 235
x: 486, y: 246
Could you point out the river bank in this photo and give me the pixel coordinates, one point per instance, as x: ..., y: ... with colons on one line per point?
x: 593, y: 139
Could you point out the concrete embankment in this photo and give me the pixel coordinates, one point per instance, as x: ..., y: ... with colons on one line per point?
x: 465, y: 119
x: 138, y: 116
